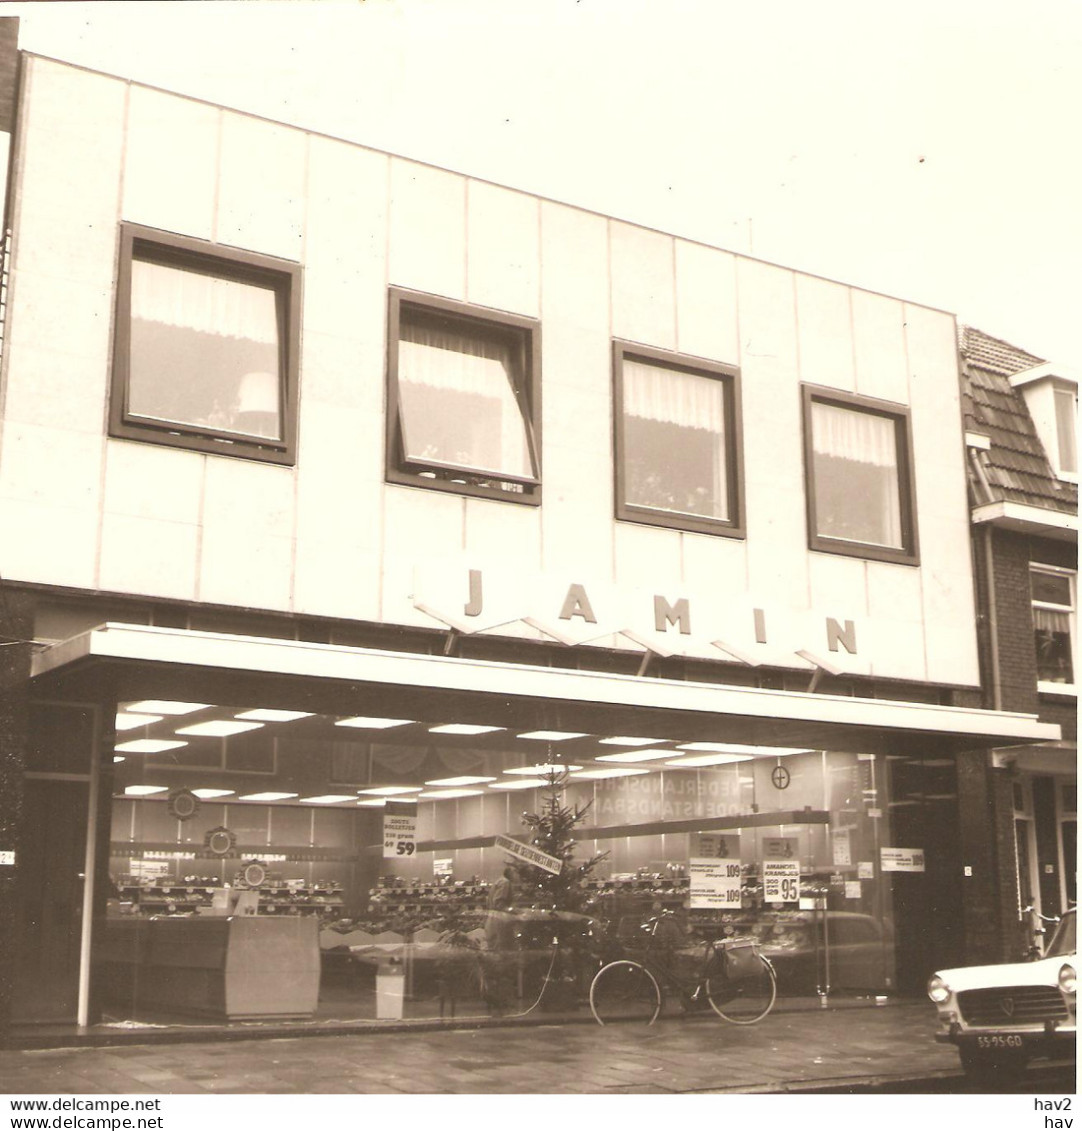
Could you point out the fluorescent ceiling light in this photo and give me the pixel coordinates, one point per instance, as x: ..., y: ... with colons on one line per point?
x: 328, y: 799
x: 391, y: 790
x: 148, y: 745
x: 464, y: 780
x: 165, y: 707
x: 207, y: 794
x: 373, y: 803
x: 218, y: 728
x: 266, y: 796
x: 520, y: 783
x: 125, y: 720
x: 144, y: 790
x: 708, y: 760
x: 462, y: 728
x: 750, y: 751
x: 364, y: 723
x: 447, y: 794
x: 269, y: 715
x: 534, y: 771
x: 623, y: 740
x: 615, y: 772
x: 635, y: 756
x: 551, y: 735
x: 118, y: 757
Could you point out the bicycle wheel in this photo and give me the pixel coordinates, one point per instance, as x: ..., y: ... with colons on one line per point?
x: 624, y: 991
x: 744, y: 1000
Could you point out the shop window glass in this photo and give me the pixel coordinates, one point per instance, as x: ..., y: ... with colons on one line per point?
x: 665, y: 406
x: 1052, y: 594
x: 860, y: 490
x: 464, y: 399
x: 206, y: 347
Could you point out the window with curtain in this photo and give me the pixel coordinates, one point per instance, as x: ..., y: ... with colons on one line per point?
x: 463, y: 399
x: 206, y: 347
x: 859, y: 487
x: 675, y: 442
x: 1052, y: 593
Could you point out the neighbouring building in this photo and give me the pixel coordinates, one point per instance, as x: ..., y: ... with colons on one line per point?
x: 329, y: 478
x: 1020, y: 419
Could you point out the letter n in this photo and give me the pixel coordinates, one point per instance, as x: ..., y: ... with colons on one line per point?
x: 666, y: 614
x: 846, y: 637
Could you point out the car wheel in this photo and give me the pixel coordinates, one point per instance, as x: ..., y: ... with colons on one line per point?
x: 986, y: 1069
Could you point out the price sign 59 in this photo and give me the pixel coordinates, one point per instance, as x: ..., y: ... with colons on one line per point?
x: 399, y: 846
x: 399, y: 836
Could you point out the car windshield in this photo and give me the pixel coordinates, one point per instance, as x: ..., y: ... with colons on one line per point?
x: 1063, y: 941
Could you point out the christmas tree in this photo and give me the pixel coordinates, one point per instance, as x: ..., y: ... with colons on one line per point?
x: 551, y: 831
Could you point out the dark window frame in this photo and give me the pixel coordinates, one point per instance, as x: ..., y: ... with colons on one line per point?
x: 909, y: 552
x: 525, y: 336
x: 203, y: 257
x: 729, y: 378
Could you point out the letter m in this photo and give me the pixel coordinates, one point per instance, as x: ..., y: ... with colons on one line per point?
x: 666, y: 614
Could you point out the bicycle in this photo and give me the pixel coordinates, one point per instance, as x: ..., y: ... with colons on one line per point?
x: 732, y: 976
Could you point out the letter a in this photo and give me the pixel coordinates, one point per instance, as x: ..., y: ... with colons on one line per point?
x: 577, y: 604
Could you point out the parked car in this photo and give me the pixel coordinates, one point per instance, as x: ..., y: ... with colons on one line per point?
x: 1000, y: 1017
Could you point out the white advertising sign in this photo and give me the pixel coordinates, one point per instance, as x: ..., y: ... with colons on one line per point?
x: 399, y: 830
x: 852, y: 889
x: 715, y: 875
x: 842, y: 852
x: 530, y: 855
x: 901, y: 859
x: 865, y: 870
x: 780, y: 847
x: 781, y: 881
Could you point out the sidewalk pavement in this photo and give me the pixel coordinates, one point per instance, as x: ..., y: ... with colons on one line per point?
x: 788, y: 1051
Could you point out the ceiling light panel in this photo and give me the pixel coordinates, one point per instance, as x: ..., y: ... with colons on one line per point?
x: 519, y: 783
x: 374, y: 803
x: 125, y: 720
x: 145, y: 790
x: 551, y: 735
x: 447, y: 794
x: 210, y: 794
x: 464, y: 780
x: 363, y: 722
x: 164, y: 707
x: 328, y: 799
x: 635, y: 756
x: 266, y: 796
x: 218, y: 728
x: 269, y: 715
x: 707, y: 760
x: 614, y: 772
x: 750, y: 751
x: 391, y: 790
x: 148, y: 745
x: 624, y: 740
x: 535, y: 771
x: 463, y: 728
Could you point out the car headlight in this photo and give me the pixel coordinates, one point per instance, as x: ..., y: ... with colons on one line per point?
x: 1067, y: 978
x: 938, y: 990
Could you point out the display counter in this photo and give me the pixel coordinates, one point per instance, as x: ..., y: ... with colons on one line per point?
x: 234, y: 968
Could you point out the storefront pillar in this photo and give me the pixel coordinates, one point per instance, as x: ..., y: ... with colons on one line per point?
x: 16, y: 627
x: 986, y: 859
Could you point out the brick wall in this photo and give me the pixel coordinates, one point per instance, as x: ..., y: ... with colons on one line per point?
x: 9, y: 68
x: 1014, y: 622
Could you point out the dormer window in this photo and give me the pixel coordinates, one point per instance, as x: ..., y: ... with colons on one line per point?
x: 1051, y: 396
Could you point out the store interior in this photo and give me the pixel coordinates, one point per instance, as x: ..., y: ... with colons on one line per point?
x: 272, y: 821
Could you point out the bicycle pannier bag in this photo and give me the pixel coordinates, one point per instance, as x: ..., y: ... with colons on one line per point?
x: 742, y: 960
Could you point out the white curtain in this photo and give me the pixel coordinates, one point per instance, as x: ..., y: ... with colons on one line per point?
x: 482, y: 370
x: 668, y: 395
x: 211, y: 305
x: 857, y: 436
x: 1048, y: 620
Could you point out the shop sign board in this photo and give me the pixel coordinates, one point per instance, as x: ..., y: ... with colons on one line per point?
x: 901, y: 859
x: 780, y: 847
x: 443, y: 867
x: 865, y: 870
x: 399, y: 829
x: 781, y: 881
x: 853, y: 889
x: 530, y: 855
x: 7, y: 858
x: 714, y: 871
x: 842, y: 852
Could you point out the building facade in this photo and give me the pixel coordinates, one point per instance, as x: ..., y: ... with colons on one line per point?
x: 1020, y: 415
x: 329, y: 478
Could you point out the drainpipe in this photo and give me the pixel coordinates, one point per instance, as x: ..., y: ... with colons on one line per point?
x: 990, y: 580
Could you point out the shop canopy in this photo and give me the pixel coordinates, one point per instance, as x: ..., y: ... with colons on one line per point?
x: 115, y: 662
